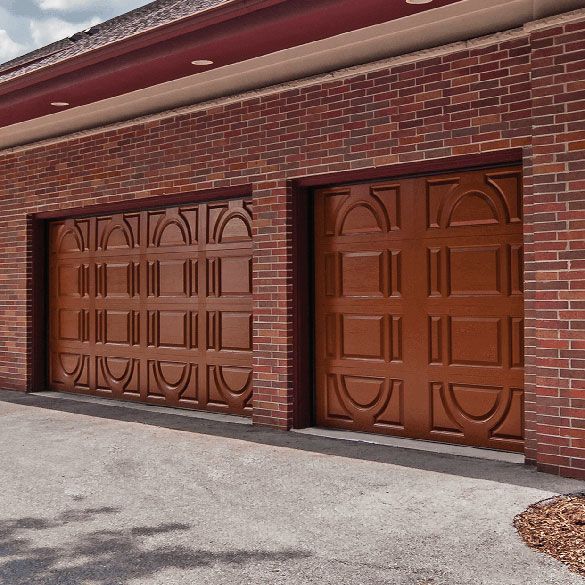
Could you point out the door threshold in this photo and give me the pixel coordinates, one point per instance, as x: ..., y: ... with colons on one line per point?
x: 199, y: 414
x: 415, y: 444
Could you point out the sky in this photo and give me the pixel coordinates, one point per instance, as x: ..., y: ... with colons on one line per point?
x: 26, y: 25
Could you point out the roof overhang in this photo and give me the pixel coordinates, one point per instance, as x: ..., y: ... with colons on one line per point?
x: 253, y: 45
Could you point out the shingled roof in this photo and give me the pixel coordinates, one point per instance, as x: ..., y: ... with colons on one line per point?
x: 137, y: 21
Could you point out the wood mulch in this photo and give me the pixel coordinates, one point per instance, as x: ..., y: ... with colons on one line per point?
x: 557, y: 527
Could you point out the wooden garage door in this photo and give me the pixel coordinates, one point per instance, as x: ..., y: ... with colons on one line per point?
x: 419, y: 308
x: 155, y: 306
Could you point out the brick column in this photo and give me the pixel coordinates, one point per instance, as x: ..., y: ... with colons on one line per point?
x: 556, y: 266
x: 273, y: 308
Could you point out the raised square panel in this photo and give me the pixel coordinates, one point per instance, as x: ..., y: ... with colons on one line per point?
x: 116, y: 280
x: 474, y: 271
x: 69, y: 280
x: 70, y: 325
x: 117, y: 327
x: 235, y: 331
x: 172, y: 329
x: 363, y: 336
x: 475, y: 341
x: 171, y: 278
x: 235, y: 276
x: 362, y: 274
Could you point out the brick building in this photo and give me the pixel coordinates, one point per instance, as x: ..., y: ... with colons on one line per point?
x: 359, y: 215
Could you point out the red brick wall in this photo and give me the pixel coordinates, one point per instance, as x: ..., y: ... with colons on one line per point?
x: 469, y: 102
x: 555, y: 255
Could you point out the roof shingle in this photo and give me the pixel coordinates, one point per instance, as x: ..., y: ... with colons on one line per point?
x: 153, y: 15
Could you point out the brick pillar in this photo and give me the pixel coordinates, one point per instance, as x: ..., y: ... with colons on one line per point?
x: 557, y: 267
x: 273, y: 308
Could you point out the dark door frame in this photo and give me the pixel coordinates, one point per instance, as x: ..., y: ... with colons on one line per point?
x: 303, y: 261
x: 39, y: 255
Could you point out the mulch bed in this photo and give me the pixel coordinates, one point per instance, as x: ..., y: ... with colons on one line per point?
x: 557, y: 527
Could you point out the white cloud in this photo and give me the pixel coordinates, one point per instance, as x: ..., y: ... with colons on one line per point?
x: 64, y: 5
x: 110, y: 6
x: 8, y: 48
x: 48, y: 30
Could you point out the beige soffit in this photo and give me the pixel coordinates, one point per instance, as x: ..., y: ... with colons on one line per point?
x: 439, y: 31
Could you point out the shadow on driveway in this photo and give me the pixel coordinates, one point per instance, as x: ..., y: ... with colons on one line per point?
x: 105, y: 557
x: 502, y: 472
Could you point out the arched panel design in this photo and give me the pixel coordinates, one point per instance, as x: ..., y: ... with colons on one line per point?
x: 118, y: 237
x: 234, y: 226
x: 70, y: 240
x: 117, y: 375
x: 491, y: 413
x: 362, y: 217
x: 472, y: 208
x: 232, y: 385
x: 171, y: 232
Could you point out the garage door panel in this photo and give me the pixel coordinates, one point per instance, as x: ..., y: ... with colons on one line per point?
x: 71, y: 324
x: 71, y: 279
x: 172, y: 228
x: 70, y: 237
x: 420, y: 281
x: 370, y: 336
x: 230, y: 386
x: 469, y: 269
x: 172, y: 380
x: 69, y: 369
x: 362, y: 210
x: 118, y: 375
x: 370, y: 400
x: 229, y: 275
x: 477, y: 411
x: 473, y: 200
x: 118, y: 233
x: 173, y: 277
x: 229, y: 222
x: 172, y: 329
x: 150, y: 312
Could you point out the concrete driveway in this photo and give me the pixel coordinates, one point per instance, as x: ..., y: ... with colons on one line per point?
x: 99, y: 494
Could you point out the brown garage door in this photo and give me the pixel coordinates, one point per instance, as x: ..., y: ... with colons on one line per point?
x: 155, y: 306
x: 419, y: 308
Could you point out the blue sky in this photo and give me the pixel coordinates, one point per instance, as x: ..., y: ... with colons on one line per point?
x: 28, y: 24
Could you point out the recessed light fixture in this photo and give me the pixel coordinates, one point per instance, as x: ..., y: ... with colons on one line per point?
x: 202, y: 62
x: 60, y: 104
x: 418, y: 1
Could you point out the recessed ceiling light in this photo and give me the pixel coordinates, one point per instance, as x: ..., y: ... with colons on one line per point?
x: 418, y: 1
x: 60, y: 104
x: 202, y: 62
